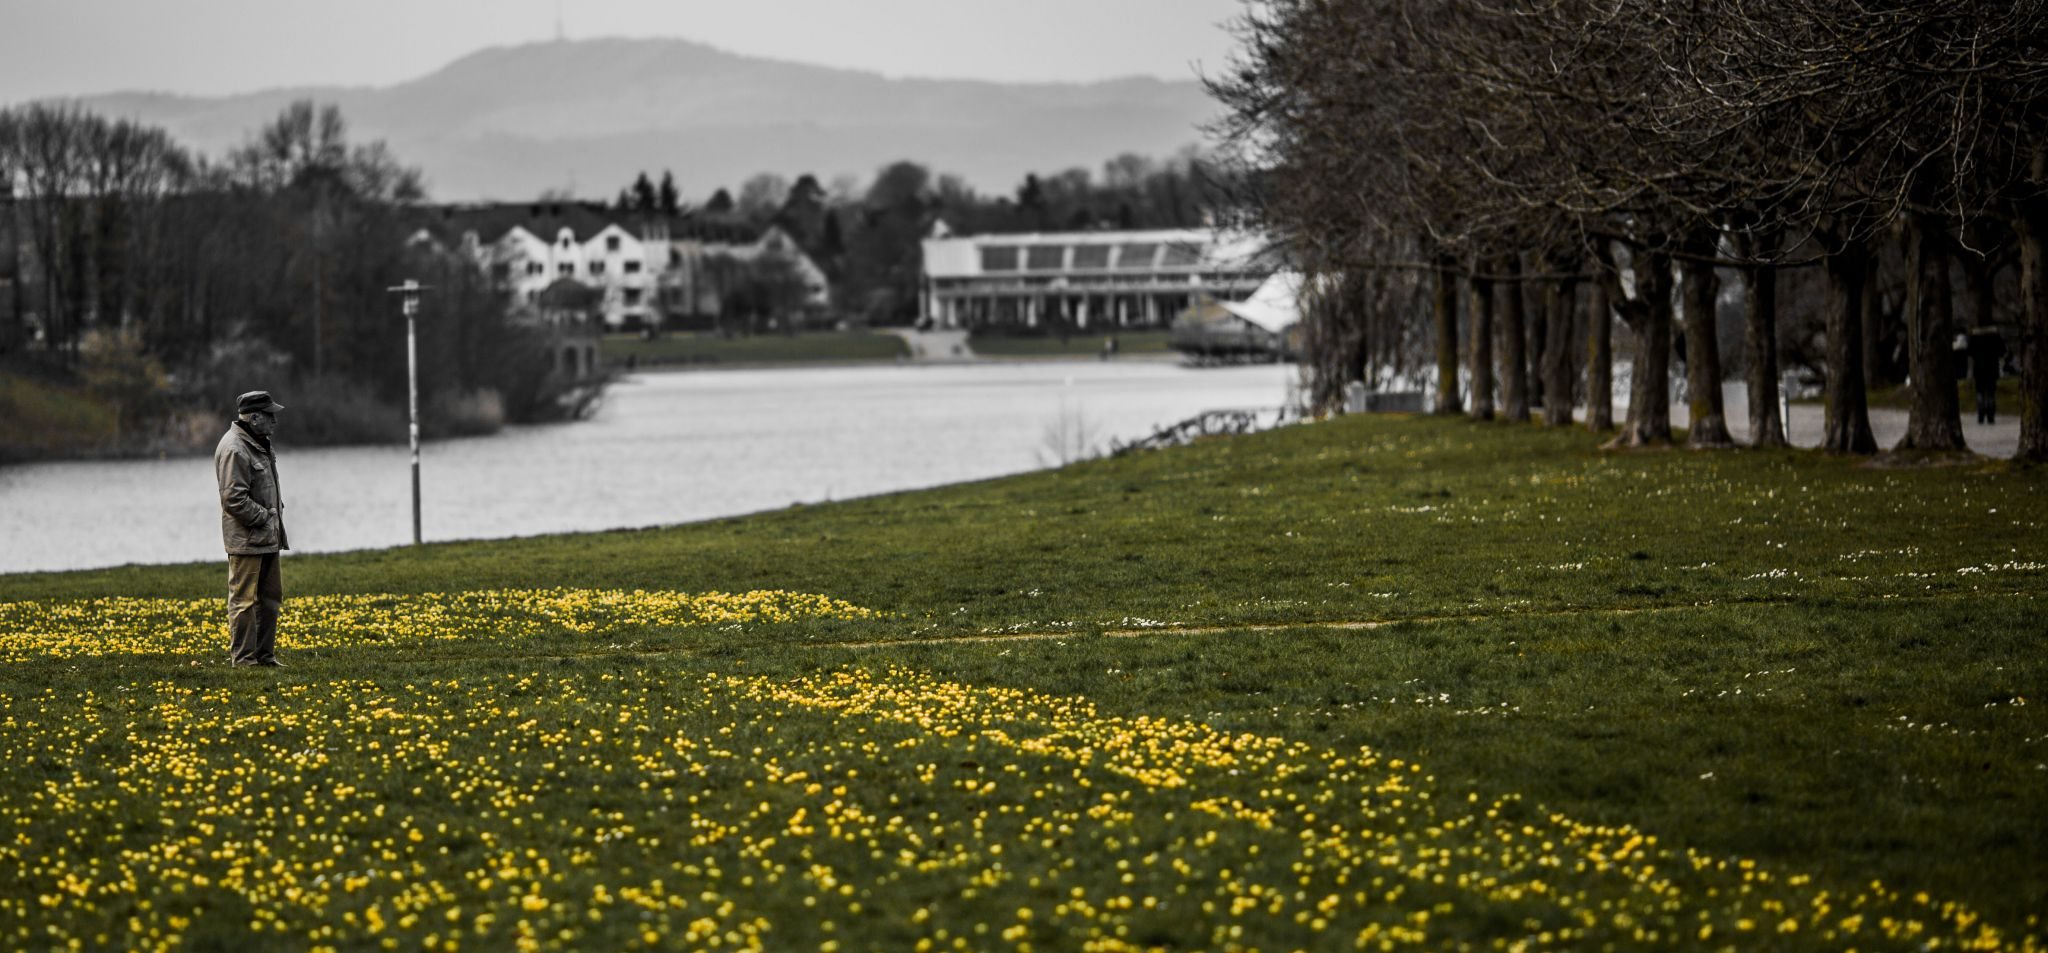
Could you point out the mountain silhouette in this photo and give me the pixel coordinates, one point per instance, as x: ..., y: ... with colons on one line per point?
x: 588, y: 115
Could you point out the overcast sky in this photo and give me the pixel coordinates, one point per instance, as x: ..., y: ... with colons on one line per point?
x: 78, y: 47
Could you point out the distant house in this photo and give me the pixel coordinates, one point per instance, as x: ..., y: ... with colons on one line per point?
x: 652, y: 271
x: 702, y: 268
x: 1085, y: 280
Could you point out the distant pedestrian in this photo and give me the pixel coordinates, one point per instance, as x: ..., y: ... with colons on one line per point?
x: 1987, y: 351
x: 252, y: 529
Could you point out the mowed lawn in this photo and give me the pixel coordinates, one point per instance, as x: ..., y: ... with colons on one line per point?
x: 687, y: 348
x: 1368, y: 683
x: 1073, y: 345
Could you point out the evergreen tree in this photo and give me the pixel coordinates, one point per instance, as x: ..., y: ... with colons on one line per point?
x: 671, y: 203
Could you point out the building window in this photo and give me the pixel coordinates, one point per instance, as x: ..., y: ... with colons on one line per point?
x: 999, y: 258
x: 535, y: 268
x: 1091, y: 256
x: 633, y: 266
x: 632, y: 297
x: 1048, y: 257
x: 566, y: 268
x: 1136, y: 256
x: 611, y: 243
x: 597, y: 267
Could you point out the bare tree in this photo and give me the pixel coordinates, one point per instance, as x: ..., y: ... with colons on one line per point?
x: 1599, y: 354
x: 1444, y: 319
x: 1480, y: 353
x: 1701, y: 290
x: 1514, y: 339
x: 1558, y: 294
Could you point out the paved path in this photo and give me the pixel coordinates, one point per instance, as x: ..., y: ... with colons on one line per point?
x: 938, y: 347
x: 1804, y: 428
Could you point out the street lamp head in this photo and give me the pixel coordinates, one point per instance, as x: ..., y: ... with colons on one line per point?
x: 411, y: 290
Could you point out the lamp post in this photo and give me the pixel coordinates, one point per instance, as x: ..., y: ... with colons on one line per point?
x: 411, y: 290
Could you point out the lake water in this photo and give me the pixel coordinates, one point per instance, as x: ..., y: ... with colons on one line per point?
x: 665, y: 448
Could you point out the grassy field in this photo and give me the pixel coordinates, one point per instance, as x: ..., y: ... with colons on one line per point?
x: 1367, y: 683
x: 1079, y: 345
x: 809, y: 347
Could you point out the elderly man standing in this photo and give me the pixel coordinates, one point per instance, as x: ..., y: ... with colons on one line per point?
x: 252, y: 528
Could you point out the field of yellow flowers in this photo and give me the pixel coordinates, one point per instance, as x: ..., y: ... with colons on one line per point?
x: 967, y: 738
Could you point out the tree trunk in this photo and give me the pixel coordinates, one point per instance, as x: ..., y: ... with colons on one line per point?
x: 1347, y: 315
x: 1557, y: 348
x: 1514, y: 352
x: 1649, y: 394
x: 1935, y: 421
x: 1445, y: 308
x: 1847, y: 427
x: 1600, y: 350
x: 1760, y: 341
x: 1370, y: 318
x: 1539, y: 345
x: 1709, y: 427
x: 12, y: 331
x: 91, y: 269
x: 1482, y: 345
x: 2032, y: 229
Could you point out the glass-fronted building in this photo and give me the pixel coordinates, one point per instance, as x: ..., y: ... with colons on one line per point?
x: 1087, y: 280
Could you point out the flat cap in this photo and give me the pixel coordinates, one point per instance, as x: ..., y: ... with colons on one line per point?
x: 256, y: 400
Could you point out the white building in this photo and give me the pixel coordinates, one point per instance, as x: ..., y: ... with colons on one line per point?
x: 1086, y: 279
x: 611, y: 260
x: 652, y: 271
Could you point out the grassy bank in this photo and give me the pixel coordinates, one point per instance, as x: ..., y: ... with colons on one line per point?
x: 706, y: 349
x: 42, y: 419
x: 1078, y: 345
x: 1900, y: 397
x: 1369, y: 680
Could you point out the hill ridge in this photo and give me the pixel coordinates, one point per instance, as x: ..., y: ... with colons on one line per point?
x: 510, y: 121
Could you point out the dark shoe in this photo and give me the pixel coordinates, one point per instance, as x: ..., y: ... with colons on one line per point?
x: 271, y: 663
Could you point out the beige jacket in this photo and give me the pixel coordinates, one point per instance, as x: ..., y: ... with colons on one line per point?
x: 251, y: 509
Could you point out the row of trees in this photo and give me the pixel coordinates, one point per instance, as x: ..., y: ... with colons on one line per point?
x: 1555, y: 162
x: 271, y: 262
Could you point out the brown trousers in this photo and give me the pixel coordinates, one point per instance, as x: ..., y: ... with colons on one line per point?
x: 255, y: 591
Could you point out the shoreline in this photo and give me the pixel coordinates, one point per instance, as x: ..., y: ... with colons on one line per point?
x: 673, y: 367
x: 28, y: 456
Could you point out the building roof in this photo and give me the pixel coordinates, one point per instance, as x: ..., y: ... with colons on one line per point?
x: 584, y: 220
x: 1183, y: 249
x: 1276, y: 306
